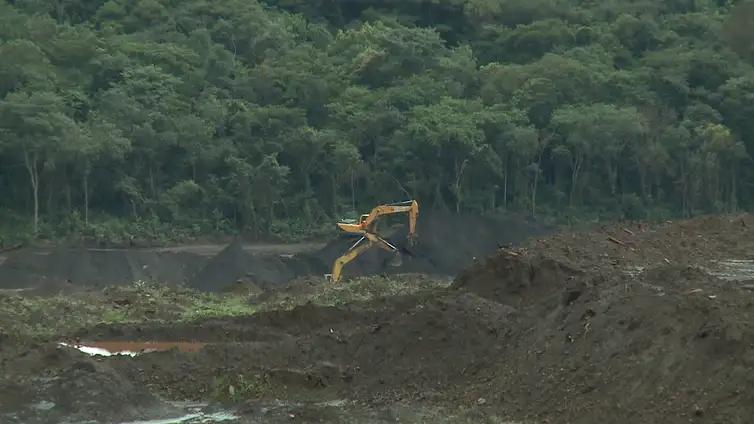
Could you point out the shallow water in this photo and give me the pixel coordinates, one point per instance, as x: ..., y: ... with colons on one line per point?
x: 132, y: 348
x: 734, y: 269
x: 193, y: 418
x: 728, y: 269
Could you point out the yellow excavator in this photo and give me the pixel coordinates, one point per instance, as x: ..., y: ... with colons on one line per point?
x: 366, y: 226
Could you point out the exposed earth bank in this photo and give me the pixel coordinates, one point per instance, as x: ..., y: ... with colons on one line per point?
x: 624, y: 324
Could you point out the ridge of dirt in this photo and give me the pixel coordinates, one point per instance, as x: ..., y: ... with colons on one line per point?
x: 570, y: 328
x: 235, y: 265
x: 94, y: 268
x: 668, y: 345
x: 446, y: 243
x: 635, y: 244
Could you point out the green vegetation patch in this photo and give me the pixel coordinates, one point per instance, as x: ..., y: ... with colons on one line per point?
x: 356, y: 290
x: 53, y: 316
x: 45, y: 317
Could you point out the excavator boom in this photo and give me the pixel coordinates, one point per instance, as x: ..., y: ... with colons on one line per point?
x: 367, y: 222
x: 366, y: 226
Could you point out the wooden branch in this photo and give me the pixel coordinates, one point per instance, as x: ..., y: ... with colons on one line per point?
x: 616, y: 241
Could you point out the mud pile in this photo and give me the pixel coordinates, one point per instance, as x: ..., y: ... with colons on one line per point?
x: 670, y: 344
x: 693, y: 241
x: 513, y: 279
x: 446, y: 244
x: 519, y: 336
x: 234, y: 265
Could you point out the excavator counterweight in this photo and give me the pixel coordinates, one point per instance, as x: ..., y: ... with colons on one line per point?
x: 366, y: 226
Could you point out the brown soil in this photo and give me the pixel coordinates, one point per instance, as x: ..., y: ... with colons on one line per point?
x: 572, y: 328
x: 695, y: 241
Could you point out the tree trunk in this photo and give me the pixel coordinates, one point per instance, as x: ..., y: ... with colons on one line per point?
x: 51, y: 188
x: 459, y: 177
x: 353, y: 191
x: 536, y: 182
x: 505, y: 188
x: 270, y: 215
x: 86, y: 194
x: 684, y: 190
x: 60, y: 11
x: 643, y: 180
x: 733, y: 189
x: 544, y: 140
x: 308, y: 214
x: 152, y: 185
x: 439, y: 202
x: 68, y: 196
x: 31, y: 162
x: 334, y: 196
x: 612, y: 175
x: 576, y: 167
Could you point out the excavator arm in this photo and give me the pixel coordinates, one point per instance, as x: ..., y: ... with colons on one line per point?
x: 347, y: 257
x: 367, y: 222
x: 366, y: 226
x: 361, y: 246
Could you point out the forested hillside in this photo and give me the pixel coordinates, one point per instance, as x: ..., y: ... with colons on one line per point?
x: 202, y: 116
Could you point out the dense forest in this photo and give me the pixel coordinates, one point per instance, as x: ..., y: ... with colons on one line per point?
x: 188, y: 117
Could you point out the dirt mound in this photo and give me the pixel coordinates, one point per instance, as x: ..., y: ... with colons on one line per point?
x: 46, y: 383
x: 509, y: 278
x: 666, y: 345
x: 324, y: 353
x: 100, y: 268
x: 695, y: 241
x: 234, y: 265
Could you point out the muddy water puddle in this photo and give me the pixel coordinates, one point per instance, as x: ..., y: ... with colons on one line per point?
x: 194, y: 418
x: 734, y: 270
x: 132, y: 348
